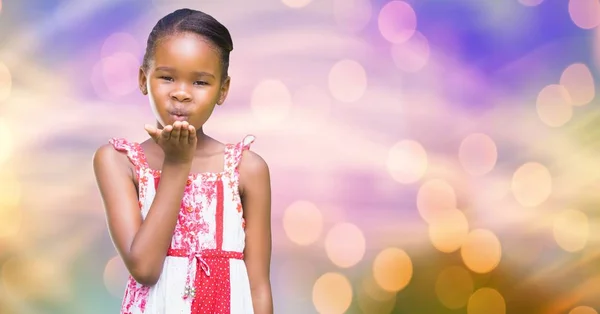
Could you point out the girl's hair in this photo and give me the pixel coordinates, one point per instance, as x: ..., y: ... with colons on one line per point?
x: 191, y: 21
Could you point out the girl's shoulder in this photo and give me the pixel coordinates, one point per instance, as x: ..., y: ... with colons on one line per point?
x: 119, y: 150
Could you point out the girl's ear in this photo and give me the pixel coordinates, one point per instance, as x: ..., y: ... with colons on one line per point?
x: 224, y: 91
x: 143, y: 81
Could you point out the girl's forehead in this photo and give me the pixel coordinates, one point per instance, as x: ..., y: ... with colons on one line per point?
x: 188, y: 49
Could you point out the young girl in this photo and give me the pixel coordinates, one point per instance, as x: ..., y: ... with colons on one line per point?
x: 189, y: 216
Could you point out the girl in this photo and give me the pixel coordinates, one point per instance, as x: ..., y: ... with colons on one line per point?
x: 189, y: 216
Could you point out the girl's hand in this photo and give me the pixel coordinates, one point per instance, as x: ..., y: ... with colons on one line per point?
x: 178, y: 141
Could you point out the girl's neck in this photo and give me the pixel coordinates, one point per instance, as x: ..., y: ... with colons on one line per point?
x: 202, y: 139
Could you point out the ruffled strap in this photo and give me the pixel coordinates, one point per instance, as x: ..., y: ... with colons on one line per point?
x: 233, y: 153
x: 133, y: 150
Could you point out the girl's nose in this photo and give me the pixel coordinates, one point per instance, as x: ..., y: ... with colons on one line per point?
x: 181, y: 94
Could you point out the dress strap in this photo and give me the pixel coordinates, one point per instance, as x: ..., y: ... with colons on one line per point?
x: 133, y: 150
x: 233, y: 153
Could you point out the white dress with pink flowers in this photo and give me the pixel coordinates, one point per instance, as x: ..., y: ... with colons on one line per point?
x: 204, y: 271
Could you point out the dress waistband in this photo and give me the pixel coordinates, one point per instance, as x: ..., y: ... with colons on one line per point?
x: 201, y: 258
x: 206, y: 254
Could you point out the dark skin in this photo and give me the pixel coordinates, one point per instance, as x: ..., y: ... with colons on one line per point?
x: 184, y: 84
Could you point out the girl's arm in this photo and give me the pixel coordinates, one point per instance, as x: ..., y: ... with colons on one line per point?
x: 255, y: 189
x: 142, y: 244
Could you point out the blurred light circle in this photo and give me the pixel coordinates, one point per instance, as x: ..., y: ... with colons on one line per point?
x: 435, y: 196
x: 407, y: 161
x: 332, y: 293
x: 115, y: 276
x: 454, y: 287
x: 481, y: 251
x: 347, y: 80
x: 296, y: 3
x: 577, y: 79
x: 486, y: 301
x: 583, y: 310
x: 392, y: 269
x: 120, y: 73
x: 554, y: 105
x: 397, y: 21
x: 375, y: 292
x: 302, y: 222
x: 571, y: 230
x: 585, y: 13
x: 478, y: 154
x: 531, y: 184
x: 345, y: 245
x: 448, y: 230
x: 412, y: 55
x: 271, y: 101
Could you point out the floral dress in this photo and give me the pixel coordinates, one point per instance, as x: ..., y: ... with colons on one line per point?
x: 204, y: 271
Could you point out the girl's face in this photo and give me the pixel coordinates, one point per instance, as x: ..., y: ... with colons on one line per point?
x: 183, y: 80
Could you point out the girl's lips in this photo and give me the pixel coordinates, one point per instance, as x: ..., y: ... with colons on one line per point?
x: 179, y: 117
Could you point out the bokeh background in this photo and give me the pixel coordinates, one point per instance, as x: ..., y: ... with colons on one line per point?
x: 427, y: 156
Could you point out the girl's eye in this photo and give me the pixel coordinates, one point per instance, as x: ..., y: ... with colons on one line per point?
x: 166, y: 78
x: 201, y: 83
